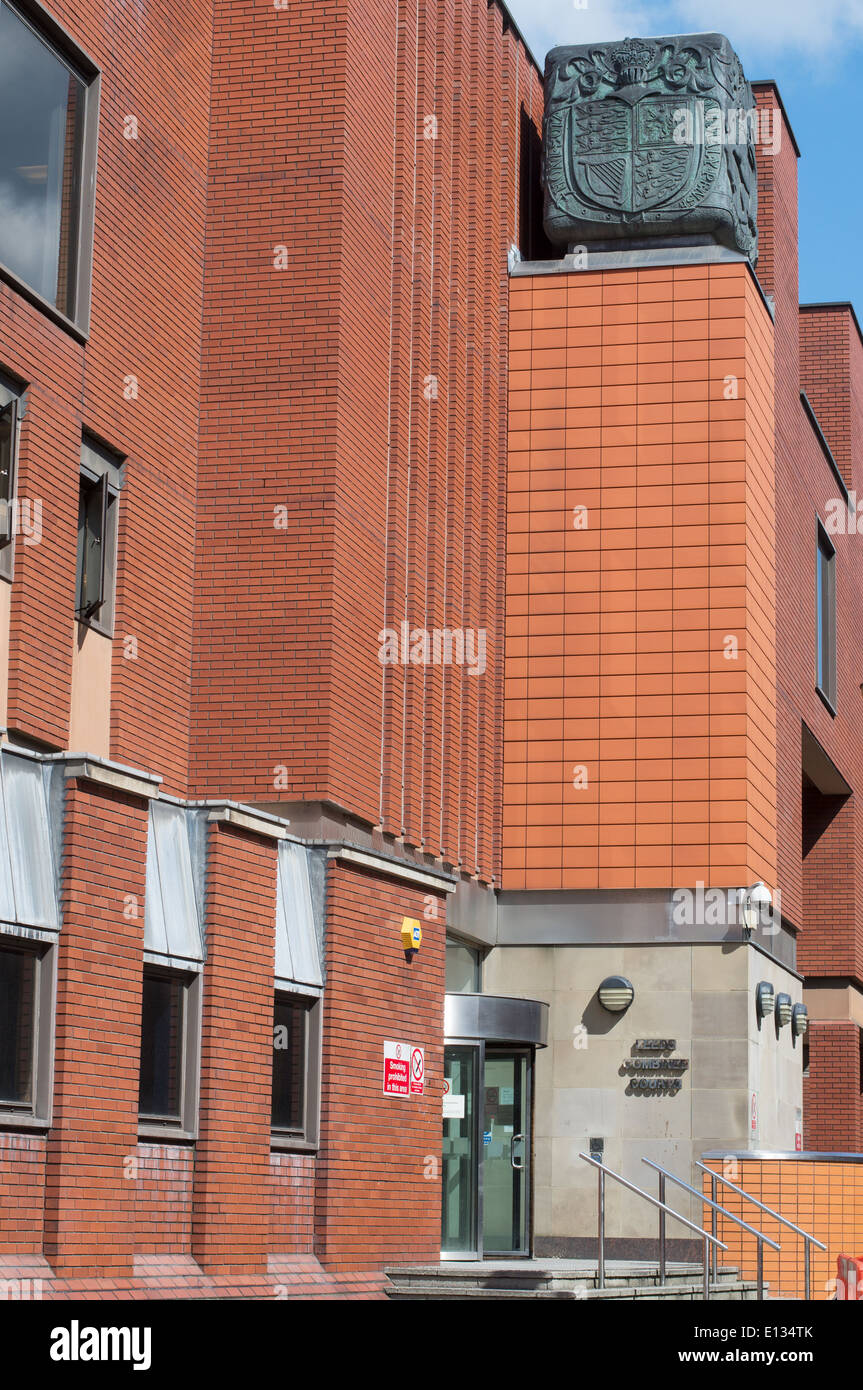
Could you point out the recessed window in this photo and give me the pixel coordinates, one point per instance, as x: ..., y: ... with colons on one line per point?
x: 98, y: 502
x: 463, y: 968
x: 825, y: 618
x: 45, y: 160
x: 295, y: 1068
x: 26, y: 1010
x: 18, y: 1015
x: 167, y: 1090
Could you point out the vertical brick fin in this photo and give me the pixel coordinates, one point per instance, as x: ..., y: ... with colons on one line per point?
x: 378, y: 1195
x: 230, y: 1208
x: 89, y: 1200
x: 396, y: 272
x: 269, y: 401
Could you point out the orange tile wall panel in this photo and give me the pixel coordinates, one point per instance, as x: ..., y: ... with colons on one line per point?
x: 822, y: 1197
x: 639, y: 552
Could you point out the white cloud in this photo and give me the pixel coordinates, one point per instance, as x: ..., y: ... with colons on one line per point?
x: 761, y: 27
x: 549, y: 22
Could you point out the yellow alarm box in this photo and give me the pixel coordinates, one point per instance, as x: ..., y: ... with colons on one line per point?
x: 412, y: 933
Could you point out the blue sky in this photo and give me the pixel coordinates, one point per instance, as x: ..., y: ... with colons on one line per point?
x: 814, y: 51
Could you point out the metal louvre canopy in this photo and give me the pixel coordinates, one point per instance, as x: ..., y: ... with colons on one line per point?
x: 28, y: 878
x: 298, y: 961
x: 172, y: 923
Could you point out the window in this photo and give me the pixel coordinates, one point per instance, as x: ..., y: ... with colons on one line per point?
x: 463, y: 968
x: 167, y: 1091
x: 98, y: 501
x: 296, y: 1047
x: 18, y: 972
x: 47, y: 115
x: 25, y: 1032
x: 825, y: 619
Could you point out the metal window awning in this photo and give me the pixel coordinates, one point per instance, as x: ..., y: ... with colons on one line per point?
x: 298, y: 961
x: 172, y: 920
x: 28, y: 874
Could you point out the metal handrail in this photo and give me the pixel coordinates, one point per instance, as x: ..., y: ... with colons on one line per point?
x: 808, y: 1240
x: 654, y: 1201
x: 753, y: 1231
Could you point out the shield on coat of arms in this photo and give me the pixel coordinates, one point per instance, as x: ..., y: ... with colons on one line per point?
x: 629, y: 157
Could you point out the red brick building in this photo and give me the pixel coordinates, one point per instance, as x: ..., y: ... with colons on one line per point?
x: 268, y: 439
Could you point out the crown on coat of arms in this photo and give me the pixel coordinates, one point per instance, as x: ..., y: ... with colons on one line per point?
x: 632, y: 60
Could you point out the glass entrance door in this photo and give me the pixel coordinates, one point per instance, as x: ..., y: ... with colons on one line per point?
x: 460, y: 1162
x: 506, y: 1152
x: 486, y: 1151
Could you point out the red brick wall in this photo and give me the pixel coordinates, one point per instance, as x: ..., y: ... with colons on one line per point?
x: 833, y: 1089
x: 818, y: 350
x: 230, y: 1212
x: 163, y: 1198
x: 292, y: 1197
x: 89, y: 1199
x: 378, y: 1194
x: 315, y: 400
x: 22, y: 1188
x: 145, y: 322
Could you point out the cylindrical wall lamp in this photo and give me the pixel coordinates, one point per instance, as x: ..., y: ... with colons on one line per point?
x: 783, y: 1010
x: 616, y: 994
x: 799, y: 1020
x: 764, y: 999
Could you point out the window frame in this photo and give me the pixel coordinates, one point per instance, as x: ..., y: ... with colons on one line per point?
x: 11, y: 398
x: 460, y: 943
x: 825, y: 621
x: 38, y: 1113
x: 103, y: 469
x: 305, y: 1139
x: 72, y: 55
x: 186, y: 1126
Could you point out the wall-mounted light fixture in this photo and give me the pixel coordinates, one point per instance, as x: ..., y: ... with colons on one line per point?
x: 755, y: 905
x: 783, y: 1010
x: 764, y: 999
x: 616, y: 994
x: 799, y: 1020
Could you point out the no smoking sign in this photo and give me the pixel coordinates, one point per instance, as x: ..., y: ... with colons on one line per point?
x: 404, y: 1069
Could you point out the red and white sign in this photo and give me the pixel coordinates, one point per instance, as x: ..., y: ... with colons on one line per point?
x: 404, y: 1069
x: 754, y: 1113
x: 418, y: 1071
x: 397, y: 1060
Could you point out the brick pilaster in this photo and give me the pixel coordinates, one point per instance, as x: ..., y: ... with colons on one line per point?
x: 230, y: 1206
x: 89, y: 1198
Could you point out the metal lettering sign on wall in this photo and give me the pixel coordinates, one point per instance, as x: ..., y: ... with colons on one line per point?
x: 657, y: 1073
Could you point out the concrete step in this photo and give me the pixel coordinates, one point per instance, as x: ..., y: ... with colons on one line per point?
x: 560, y: 1279
x: 433, y: 1292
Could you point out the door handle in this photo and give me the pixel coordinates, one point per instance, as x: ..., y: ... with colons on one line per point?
x: 516, y: 1139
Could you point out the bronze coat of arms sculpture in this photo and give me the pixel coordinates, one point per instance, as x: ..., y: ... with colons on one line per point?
x: 650, y: 138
